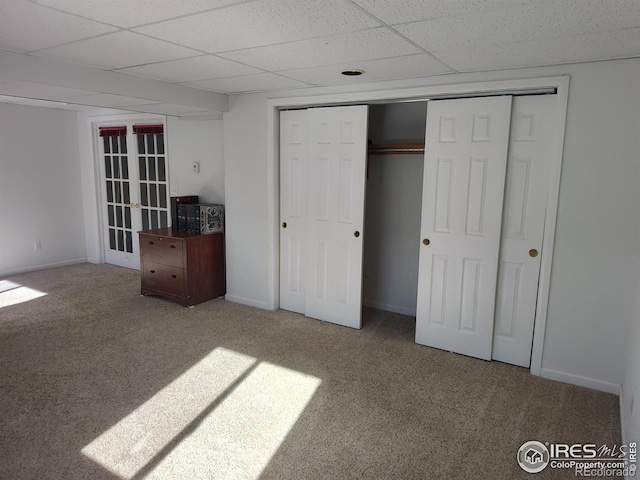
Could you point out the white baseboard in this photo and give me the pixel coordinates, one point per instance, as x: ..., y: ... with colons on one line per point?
x: 581, y: 381
x: 35, y: 268
x: 623, y: 418
x: 389, y: 308
x: 248, y: 301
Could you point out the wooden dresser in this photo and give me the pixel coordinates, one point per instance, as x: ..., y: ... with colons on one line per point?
x: 185, y: 267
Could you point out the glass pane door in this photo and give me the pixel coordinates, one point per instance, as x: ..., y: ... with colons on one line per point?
x: 154, y: 189
x: 135, y: 187
x: 118, y: 194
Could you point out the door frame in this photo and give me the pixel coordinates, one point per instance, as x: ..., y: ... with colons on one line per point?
x: 114, y: 120
x: 519, y: 86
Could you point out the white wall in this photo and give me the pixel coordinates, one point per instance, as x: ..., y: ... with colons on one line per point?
x: 595, y: 262
x: 398, y: 122
x: 198, y: 140
x: 393, y: 210
x: 592, y: 296
x: 629, y: 406
x: 40, y: 190
x: 188, y: 140
x: 245, y: 186
x: 629, y: 400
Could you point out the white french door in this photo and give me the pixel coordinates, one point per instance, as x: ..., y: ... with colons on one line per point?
x: 530, y: 149
x: 323, y: 168
x: 134, y: 186
x: 463, y: 191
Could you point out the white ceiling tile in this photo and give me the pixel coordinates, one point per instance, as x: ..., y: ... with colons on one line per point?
x: 552, y: 51
x: 118, y: 50
x: 107, y: 100
x: 261, y: 23
x: 130, y: 13
x: 353, y: 47
x: 521, y: 23
x: 25, y: 26
x: 402, y: 12
x: 191, y: 69
x: 386, y: 69
x: 306, y: 41
x: 38, y: 90
x: 458, y: 7
x: 168, y: 109
x: 248, y: 83
x: 41, y: 103
x: 412, y: 11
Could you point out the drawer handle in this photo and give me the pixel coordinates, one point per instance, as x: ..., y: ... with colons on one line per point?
x: 174, y: 276
x: 150, y: 243
x: 152, y: 271
x: 172, y: 246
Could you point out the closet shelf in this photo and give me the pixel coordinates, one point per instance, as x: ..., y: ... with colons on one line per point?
x: 396, y: 148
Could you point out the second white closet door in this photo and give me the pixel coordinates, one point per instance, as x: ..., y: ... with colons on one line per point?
x: 293, y: 209
x: 530, y: 150
x: 463, y: 190
x: 335, y: 213
x: 322, y: 181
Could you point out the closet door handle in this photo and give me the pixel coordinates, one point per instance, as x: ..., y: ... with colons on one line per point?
x: 150, y: 243
x: 284, y: 224
x: 426, y: 241
x: 356, y: 234
x: 533, y: 253
x: 172, y: 246
x: 152, y: 271
x: 174, y: 276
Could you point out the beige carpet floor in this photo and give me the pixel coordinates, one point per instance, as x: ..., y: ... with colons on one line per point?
x: 97, y: 382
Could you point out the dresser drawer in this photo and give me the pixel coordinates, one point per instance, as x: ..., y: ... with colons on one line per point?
x: 163, y: 250
x: 164, y: 278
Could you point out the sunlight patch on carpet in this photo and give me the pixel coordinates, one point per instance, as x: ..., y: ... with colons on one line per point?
x: 224, y: 418
x: 142, y: 435
x: 239, y: 437
x: 13, y: 293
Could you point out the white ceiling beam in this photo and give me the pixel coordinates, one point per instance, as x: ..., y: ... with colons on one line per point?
x: 18, y: 66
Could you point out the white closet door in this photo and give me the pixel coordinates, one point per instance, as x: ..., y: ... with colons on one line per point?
x: 463, y: 191
x: 532, y: 134
x: 293, y: 208
x: 335, y: 194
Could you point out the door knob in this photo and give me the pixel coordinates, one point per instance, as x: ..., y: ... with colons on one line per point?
x: 284, y: 224
x: 533, y: 253
x: 356, y: 234
x: 426, y: 241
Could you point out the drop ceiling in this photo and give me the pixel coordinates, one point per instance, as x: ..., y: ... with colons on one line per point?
x: 183, y: 57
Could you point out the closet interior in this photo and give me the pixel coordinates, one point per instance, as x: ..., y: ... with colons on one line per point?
x: 393, y: 204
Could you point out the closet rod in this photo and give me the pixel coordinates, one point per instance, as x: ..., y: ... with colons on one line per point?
x: 399, y: 148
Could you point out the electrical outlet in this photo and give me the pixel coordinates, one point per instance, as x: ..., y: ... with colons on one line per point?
x: 174, y: 191
x: 37, y: 245
x: 196, y: 167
